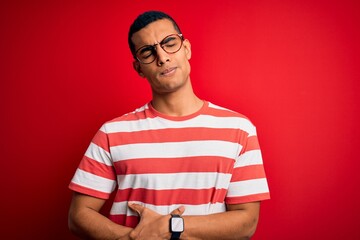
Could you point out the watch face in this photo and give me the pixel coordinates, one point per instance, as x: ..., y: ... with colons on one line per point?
x: 177, y: 224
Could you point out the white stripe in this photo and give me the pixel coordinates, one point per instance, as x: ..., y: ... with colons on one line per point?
x: 248, y: 187
x: 140, y: 109
x: 92, y: 181
x: 203, y: 180
x: 203, y: 121
x: 251, y: 129
x: 249, y: 158
x: 98, y: 154
x: 175, y: 149
x: 211, y: 105
x: 202, y: 209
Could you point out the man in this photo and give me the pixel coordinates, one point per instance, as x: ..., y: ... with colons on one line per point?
x: 184, y: 168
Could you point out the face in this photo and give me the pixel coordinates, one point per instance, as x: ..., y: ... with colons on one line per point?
x: 170, y: 71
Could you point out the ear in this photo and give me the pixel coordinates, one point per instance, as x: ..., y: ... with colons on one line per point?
x: 137, y: 67
x: 187, y: 47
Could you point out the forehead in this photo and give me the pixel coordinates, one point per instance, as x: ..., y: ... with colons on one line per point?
x: 153, y: 33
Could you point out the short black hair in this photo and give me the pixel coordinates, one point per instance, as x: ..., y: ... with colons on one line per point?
x: 143, y: 20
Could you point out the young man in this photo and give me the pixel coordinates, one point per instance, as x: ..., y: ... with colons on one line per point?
x: 184, y: 168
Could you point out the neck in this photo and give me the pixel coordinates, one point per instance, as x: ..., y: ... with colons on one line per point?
x: 178, y: 103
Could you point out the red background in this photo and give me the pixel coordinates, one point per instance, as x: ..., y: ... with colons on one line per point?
x: 291, y: 66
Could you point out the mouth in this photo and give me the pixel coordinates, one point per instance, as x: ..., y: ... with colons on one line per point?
x: 168, y: 71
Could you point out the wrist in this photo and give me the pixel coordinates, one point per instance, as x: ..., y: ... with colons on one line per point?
x: 176, y: 226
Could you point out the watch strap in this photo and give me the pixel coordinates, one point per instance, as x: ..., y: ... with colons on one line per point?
x: 174, y: 235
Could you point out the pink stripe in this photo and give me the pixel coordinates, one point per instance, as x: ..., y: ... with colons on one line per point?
x: 100, y: 139
x: 96, y: 168
x: 91, y: 192
x: 248, y: 172
x: 223, y: 113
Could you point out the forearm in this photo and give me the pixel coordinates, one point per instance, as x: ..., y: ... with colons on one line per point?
x: 237, y: 224
x: 90, y: 224
x: 86, y: 221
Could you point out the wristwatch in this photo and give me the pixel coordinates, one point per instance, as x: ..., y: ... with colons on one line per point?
x: 176, y: 226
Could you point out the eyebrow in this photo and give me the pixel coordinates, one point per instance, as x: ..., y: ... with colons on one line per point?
x: 167, y: 38
x: 146, y: 48
x: 160, y: 41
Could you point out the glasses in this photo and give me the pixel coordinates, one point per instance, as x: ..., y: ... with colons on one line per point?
x: 170, y: 44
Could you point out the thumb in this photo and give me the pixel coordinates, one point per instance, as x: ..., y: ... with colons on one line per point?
x: 136, y: 207
x: 178, y: 211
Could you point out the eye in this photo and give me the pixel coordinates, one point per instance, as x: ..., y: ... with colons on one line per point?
x: 169, y: 41
x: 146, y: 52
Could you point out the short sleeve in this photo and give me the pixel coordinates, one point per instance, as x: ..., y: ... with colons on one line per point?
x: 248, y: 182
x: 95, y: 175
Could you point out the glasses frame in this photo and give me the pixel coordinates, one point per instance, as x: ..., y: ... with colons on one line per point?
x: 161, y: 43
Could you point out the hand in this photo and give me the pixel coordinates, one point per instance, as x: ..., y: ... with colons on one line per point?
x: 152, y: 225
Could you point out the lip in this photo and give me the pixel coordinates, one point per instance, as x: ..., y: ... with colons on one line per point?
x: 168, y: 71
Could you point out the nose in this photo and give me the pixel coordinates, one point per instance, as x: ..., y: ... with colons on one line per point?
x: 162, y: 56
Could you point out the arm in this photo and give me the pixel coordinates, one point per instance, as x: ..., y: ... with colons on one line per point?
x: 238, y: 222
x: 86, y: 221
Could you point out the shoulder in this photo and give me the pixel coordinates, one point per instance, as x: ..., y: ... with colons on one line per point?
x: 231, y: 118
x: 224, y: 112
x: 134, y: 116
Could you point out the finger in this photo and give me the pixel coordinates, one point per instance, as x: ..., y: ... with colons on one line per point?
x: 178, y: 211
x: 136, y: 207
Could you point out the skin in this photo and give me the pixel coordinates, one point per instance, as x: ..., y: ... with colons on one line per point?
x: 169, y: 74
x: 169, y: 78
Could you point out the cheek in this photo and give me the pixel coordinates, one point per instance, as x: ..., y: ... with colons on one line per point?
x: 149, y: 72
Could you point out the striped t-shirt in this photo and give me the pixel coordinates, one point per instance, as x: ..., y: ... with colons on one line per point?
x: 201, y: 161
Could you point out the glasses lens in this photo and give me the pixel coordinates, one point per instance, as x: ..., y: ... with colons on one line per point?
x: 172, y: 43
x: 146, y: 54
